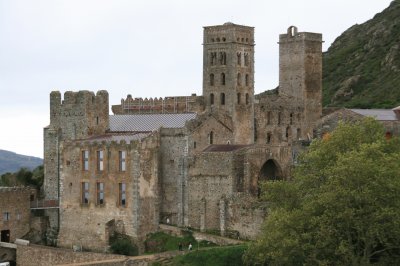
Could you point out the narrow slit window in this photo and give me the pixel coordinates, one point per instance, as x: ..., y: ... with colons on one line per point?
x: 222, y: 98
x: 122, y: 194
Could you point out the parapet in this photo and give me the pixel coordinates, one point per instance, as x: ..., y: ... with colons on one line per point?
x: 174, y: 104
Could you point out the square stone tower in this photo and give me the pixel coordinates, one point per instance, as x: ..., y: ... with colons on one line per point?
x: 300, y: 71
x: 228, y: 76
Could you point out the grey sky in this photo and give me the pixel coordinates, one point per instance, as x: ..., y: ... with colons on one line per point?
x: 145, y: 48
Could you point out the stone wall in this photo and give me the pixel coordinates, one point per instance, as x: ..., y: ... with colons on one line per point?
x: 90, y: 224
x: 15, y: 211
x: 34, y: 255
x: 174, y: 150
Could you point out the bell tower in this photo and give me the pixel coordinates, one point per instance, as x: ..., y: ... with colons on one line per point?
x: 228, y: 76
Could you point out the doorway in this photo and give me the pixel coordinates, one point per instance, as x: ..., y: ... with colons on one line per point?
x: 5, y: 235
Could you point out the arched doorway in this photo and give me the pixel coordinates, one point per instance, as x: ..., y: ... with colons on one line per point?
x: 270, y: 171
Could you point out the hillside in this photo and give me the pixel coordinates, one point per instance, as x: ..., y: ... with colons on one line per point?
x: 12, y: 162
x: 362, y: 66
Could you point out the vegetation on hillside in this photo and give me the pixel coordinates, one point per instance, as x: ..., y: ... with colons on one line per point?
x: 342, y: 206
x: 24, y: 177
x: 11, y: 162
x: 361, y: 69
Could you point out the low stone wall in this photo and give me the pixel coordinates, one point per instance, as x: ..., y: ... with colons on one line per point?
x: 43, y: 256
x: 172, y: 230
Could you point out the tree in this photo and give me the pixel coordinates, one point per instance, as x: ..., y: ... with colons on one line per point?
x: 342, y: 206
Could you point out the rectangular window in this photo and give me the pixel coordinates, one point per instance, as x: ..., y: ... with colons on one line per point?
x: 122, y: 194
x: 18, y: 216
x: 100, y: 161
x: 100, y: 193
x: 6, y: 216
x: 85, y: 193
x: 85, y: 160
x: 122, y: 161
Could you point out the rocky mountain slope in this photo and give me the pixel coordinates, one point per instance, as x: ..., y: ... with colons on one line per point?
x: 11, y: 162
x: 362, y: 67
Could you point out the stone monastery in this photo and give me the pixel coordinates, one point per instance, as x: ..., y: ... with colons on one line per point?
x: 193, y: 161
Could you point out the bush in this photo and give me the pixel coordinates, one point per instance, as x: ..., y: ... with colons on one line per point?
x: 124, y: 246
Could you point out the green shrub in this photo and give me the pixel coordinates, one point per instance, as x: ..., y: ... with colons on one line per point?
x: 123, y: 245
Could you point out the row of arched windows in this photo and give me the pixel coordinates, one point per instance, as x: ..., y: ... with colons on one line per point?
x: 222, y: 98
x: 280, y: 118
x: 223, y: 79
x: 287, y: 134
x: 218, y: 58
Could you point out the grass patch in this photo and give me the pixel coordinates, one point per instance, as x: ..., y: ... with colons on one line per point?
x: 160, y: 242
x: 219, y: 256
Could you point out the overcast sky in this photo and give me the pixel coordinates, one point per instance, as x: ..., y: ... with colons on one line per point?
x: 146, y: 48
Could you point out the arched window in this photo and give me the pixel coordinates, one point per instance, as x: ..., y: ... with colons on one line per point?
x: 279, y: 118
x: 291, y: 118
x: 222, y: 78
x: 246, y: 59
x: 247, y: 98
x: 269, y: 137
x: 211, y: 98
x: 239, y: 58
x: 269, y: 118
x: 298, y: 135
x: 239, y: 81
x: 211, y: 137
x: 222, y: 98
x: 213, y: 58
x: 211, y: 79
x: 246, y: 80
x: 238, y: 98
x: 287, y: 132
x: 222, y: 58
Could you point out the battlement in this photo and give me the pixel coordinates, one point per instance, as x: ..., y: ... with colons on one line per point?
x: 80, y: 113
x: 174, y: 104
x: 79, y: 97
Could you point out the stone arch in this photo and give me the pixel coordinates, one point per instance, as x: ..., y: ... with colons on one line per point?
x: 270, y: 171
x: 292, y: 31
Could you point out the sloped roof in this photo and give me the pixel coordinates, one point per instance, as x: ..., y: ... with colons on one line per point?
x: 378, y: 114
x: 118, y: 137
x: 224, y: 148
x: 148, y: 122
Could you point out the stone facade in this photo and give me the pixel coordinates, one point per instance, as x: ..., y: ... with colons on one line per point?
x: 192, y: 161
x: 15, y: 212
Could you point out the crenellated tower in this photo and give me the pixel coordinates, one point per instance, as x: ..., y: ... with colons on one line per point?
x: 228, y: 76
x: 80, y: 115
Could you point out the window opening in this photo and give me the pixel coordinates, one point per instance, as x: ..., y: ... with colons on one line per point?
x: 100, y: 193
x: 222, y: 98
x: 122, y: 194
x: 85, y: 160
x: 100, y: 161
x: 222, y: 78
x: 85, y: 193
x: 122, y: 161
